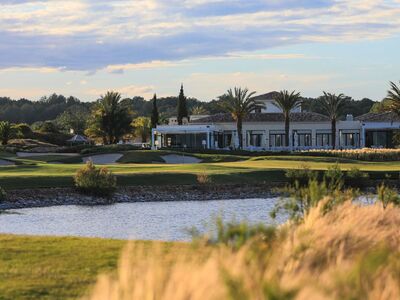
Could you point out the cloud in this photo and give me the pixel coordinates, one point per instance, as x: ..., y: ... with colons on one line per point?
x: 126, y: 91
x: 219, y: 83
x: 91, y: 35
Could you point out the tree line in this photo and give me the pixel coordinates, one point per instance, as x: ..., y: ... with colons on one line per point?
x: 112, y: 117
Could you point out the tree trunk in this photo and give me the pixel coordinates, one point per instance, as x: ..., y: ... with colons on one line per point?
x: 333, y: 133
x: 239, y: 132
x: 287, y: 138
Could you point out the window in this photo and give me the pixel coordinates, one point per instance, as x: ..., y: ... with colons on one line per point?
x: 227, y: 138
x: 349, y: 138
x: 277, y: 140
x: 302, y: 139
x: 324, y: 139
x: 255, y: 138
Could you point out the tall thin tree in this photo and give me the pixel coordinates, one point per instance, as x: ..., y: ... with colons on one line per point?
x: 287, y: 102
x: 332, y: 105
x: 239, y: 103
x: 182, y: 108
x: 154, y: 113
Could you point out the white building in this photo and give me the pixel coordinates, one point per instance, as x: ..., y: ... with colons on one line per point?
x: 265, y: 130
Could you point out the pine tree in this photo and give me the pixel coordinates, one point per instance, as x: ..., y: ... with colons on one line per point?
x: 182, y: 108
x: 154, y: 113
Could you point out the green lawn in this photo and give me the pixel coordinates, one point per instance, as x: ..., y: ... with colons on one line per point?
x: 57, y: 267
x: 53, y: 268
x: 30, y: 173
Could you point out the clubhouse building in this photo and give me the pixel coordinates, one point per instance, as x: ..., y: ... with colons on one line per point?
x: 264, y: 130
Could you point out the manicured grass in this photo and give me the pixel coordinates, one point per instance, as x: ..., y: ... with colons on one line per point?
x: 57, y: 267
x: 142, y: 157
x: 65, y: 159
x: 4, y: 154
x: 254, y: 169
x: 53, y: 268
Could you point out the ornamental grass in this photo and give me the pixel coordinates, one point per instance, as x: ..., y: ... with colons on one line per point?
x: 351, y: 252
x: 365, y: 154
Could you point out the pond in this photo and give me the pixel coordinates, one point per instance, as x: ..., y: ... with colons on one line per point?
x: 168, y: 221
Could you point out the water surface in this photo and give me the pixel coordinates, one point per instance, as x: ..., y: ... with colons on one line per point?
x: 144, y: 220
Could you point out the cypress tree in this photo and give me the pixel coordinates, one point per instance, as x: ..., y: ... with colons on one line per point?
x: 182, y: 108
x: 154, y: 113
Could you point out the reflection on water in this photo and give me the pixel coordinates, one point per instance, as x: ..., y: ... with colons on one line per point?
x: 147, y: 221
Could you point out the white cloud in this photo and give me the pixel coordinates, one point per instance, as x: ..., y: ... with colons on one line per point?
x: 125, y: 34
x: 126, y: 91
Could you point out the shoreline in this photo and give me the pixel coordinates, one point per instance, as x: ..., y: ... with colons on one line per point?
x: 46, y: 197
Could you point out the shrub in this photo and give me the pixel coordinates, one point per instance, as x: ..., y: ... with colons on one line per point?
x: 204, y: 178
x: 236, y: 234
x: 387, y: 196
x: 355, y: 177
x: 3, y: 195
x: 303, y: 175
x: 59, y: 139
x: 334, y: 177
x: 91, y: 180
x: 302, y: 198
x: 48, y: 127
x: 25, y: 130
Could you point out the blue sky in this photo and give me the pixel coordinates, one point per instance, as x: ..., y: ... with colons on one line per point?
x: 140, y: 47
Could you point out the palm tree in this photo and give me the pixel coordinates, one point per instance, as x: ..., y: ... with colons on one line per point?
x: 199, y: 110
x: 239, y: 104
x: 287, y: 102
x: 393, y: 98
x: 110, y: 119
x: 332, y: 106
x: 142, y: 126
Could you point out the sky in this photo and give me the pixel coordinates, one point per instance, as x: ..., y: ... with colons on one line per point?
x: 141, y: 47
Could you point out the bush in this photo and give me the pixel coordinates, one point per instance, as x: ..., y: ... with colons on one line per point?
x: 59, y: 139
x: 354, y: 177
x: 3, y: 195
x: 334, y: 177
x: 94, y: 181
x: 236, y: 234
x: 24, y: 129
x: 48, y: 127
x: 387, y: 196
x: 203, y: 178
x: 301, y: 199
x: 302, y: 176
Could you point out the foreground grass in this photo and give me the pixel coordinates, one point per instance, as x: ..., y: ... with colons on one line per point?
x: 30, y: 174
x: 56, y: 268
x: 352, y: 252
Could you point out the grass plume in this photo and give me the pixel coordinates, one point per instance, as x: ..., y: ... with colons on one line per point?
x: 350, y: 252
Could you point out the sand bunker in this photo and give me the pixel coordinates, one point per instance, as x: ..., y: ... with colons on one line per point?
x: 180, y: 159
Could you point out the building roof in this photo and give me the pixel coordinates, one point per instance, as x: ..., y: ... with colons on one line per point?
x: 379, y: 117
x: 78, y: 139
x: 267, y: 96
x: 265, y: 117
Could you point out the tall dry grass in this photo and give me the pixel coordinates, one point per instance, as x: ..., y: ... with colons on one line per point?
x: 352, y: 252
x: 365, y: 154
